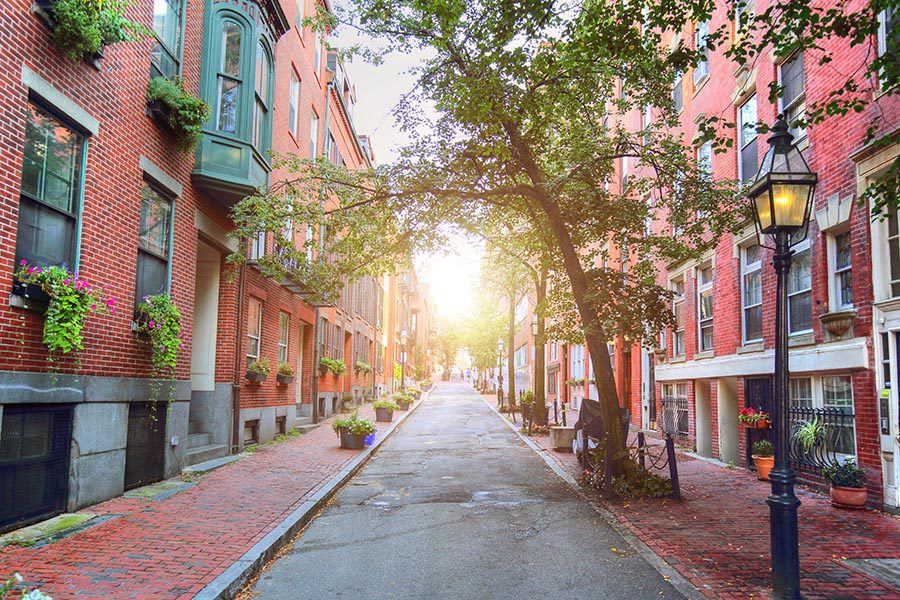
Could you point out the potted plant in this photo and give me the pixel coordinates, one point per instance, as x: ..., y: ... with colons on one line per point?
x: 751, y: 417
x: 70, y: 299
x: 82, y: 28
x: 353, y: 431
x: 258, y: 370
x: 810, y: 434
x: 848, y: 484
x: 403, y: 399
x: 158, y: 324
x: 284, y: 373
x: 323, y: 365
x: 169, y: 103
x: 764, y: 458
x: 384, y: 410
x: 336, y: 366
x: 362, y: 367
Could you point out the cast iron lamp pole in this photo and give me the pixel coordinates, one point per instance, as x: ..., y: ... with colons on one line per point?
x: 403, y: 338
x: 782, y: 196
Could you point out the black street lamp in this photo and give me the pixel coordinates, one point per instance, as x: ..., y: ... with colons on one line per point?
x: 403, y: 339
x: 782, y: 196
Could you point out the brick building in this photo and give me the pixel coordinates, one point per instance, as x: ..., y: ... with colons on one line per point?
x: 843, y: 315
x: 90, y: 180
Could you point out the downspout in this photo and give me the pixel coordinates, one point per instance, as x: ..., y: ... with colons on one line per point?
x: 236, y: 441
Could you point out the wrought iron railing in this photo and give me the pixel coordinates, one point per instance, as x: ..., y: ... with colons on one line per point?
x: 674, y: 415
x: 837, y: 439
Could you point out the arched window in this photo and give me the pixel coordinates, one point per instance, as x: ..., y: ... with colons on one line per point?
x: 262, y: 98
x: 229, y: 79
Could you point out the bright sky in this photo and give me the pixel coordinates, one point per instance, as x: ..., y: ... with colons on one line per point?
x: 455, y: 275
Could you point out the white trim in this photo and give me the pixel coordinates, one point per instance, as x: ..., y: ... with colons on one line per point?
x: 834, y: 356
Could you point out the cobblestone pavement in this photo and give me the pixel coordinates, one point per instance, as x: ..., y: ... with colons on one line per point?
x: 718, y: 536
x: 172, y: 548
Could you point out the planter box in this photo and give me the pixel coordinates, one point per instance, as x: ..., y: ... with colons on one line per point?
x: 384, y: 415
x: 31, y: 297
x: 562, y: 437
x: 284, y: 379
x: 403, y: 405
x: 350, y: 441
x: 159, y: 112
x: 255, y: 377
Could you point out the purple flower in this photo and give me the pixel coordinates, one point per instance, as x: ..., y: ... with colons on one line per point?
x: 162, y: 348
x: 181, y: 346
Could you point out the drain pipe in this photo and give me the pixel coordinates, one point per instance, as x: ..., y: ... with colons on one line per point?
x: 236, y: 441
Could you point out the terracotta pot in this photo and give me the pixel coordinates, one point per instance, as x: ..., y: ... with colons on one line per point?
x: 763, y: 464
x: 845, y: 497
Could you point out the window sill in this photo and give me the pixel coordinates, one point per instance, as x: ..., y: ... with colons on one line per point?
x: 698, y: 85
x: 801, y: 339
x: 707, y: 354
x: 751, y: 347
x: 678, y: 359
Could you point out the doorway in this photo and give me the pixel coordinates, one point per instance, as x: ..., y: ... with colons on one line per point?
x: 758, y: 393
x: 145, y: 444
x: 703, y: 417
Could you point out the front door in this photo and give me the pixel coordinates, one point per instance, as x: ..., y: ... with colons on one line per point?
x: 34, y: 463
x: 758, y: 394
x: 298, y: 379
x: 145, y: 446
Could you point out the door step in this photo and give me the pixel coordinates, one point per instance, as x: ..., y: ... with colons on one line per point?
x: 203, y: 453
x: 196, y: 440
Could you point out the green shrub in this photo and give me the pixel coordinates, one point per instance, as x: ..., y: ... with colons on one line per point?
x: 84, y: 27
x: 388, y: 404
x: 260, y: 366
x: 336, y: 366
x: 187, y: 113
x: 763, y: 448
x: 848, y: 474
x: 354, y: 425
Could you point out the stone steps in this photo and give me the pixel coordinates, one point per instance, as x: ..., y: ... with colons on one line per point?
x: 204, y: 453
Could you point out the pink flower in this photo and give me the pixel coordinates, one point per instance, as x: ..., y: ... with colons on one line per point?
x: 162, y: 348
x: 23, y: 262
x: 30, y: 270
x: 152, y: 323
x: 181, y: 346
x: 67, y: 281
x: 93, y: 307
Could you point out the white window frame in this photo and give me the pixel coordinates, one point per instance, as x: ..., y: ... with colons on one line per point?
x: 803, y: 246
x: 679, y: 301
x: 817, y: 400
x: 744, y: 144
x: 284, y: 336
x: 258, y: 246
x: 314, y: 136
x: 797, y: 107
x: 835, y: 273
x: 679, y: 391
x: 704, y: 288
x: 294, y: 106
x: 747, y: 7
x: 747, y: 269
x: 701, y: 33
x: 254, y: 333
x: 893, y: 253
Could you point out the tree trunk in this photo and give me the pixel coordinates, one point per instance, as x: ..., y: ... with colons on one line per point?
x: 540, y: 395
x: 510, y: 363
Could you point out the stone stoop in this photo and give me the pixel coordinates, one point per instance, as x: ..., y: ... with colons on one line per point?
x: 304, y: 424
x: 199, y: 446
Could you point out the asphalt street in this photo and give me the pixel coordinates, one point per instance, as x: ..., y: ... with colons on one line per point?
x: 455, y: 505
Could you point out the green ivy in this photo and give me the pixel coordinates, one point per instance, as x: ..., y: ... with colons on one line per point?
x: 187, y: 113
x: 84, y: 27
x: 159, y: 323
x: 71, y: 298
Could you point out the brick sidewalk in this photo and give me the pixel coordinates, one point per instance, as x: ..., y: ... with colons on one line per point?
x: 718, y: 536
x: 172, y: 548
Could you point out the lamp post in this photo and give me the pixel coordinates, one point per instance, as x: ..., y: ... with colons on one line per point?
x: 403, y: 338
x: 781, y: 196
x: 500, y: 371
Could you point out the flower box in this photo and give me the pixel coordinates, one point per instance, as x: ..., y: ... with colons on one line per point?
x: 29, y: 296
x: 284, y: 379
x: 255, y: 377
x: 159, y: 112
x: 384, y: 415
x: 351, y: 441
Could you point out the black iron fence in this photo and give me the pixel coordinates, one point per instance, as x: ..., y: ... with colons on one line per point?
x: 675, y: 415
x: 830, y: 437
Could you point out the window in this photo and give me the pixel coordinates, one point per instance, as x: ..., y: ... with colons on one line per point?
x: 258, y: 246
x: 701, y: 32
x: 801, y: 393
x: 262, y: 99
x: 337, y: 343
x: 704, y: 158
x: 751, y: 293
x: 521, y: 309
x: 317, y: 54
x: 677, y: 92
x: 294, y: 106
x: 554, y: 351
x: 51, y: 190
x: 229, y: 78
x: 624, y: 173
x: 577, y: 362
x: 747, y: 165
x: 677, y: 396
x: 743, y: 14
x: 313, y: 136
x: 837, y: 393
x: 332, y: 150
x: 800, y: 291
x: 843, y: 271
x: 154, y: 237
x: 678, y: 309
x: 254, y: 328
x: 893, y: 224
x: 705, y: 308
x: 321, y: 335
x: 521, y: 356
x: 165, y: 54
x: 793, y: 100
x: 551, y: 382
x: 887, y: 30
x: 284, y: 333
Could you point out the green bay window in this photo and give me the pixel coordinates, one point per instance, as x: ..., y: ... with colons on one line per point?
x: 237, y: 81
x: 51, y: 191
x: 165, y: 55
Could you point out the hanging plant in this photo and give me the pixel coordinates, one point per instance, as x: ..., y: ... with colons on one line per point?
x: 71, y: 298
x: 82, y: 28
x: 159, y: 326
x: 182, y: 112
x: 335, y: 365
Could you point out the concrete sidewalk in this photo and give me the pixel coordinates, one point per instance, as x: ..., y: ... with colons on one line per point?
x: 718, y: 536
x: 177, y: 546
